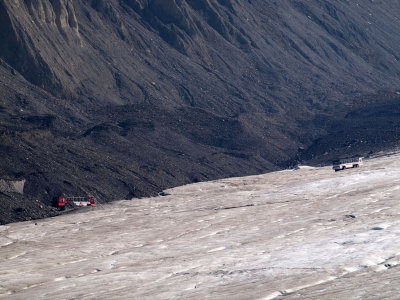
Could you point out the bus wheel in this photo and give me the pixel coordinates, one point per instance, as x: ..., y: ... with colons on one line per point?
x: 344, y: 167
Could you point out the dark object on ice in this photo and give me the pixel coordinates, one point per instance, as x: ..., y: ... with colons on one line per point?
x: 377, y: 228
x: 388, y: 266
x: 233, y: 207
x: 163, y: 194
x: 350, y: 216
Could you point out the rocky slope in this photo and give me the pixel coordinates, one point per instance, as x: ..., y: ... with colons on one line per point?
x: 123, y: 98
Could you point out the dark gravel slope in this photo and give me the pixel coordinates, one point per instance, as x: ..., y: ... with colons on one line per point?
x: 123, y: 98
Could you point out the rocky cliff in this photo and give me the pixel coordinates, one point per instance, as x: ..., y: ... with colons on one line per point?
x: 123, y: 98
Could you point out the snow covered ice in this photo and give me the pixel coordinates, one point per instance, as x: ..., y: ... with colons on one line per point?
x: 309, y: 233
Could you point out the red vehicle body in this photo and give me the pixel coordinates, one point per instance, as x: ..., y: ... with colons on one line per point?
x: 78, y: 201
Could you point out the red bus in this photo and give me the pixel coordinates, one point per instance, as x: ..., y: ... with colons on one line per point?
x: 78, y: 201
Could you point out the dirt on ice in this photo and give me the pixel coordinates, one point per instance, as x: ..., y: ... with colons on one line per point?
x: 306, y: 233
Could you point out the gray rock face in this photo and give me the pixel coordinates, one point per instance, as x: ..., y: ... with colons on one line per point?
x: 9, y: 186
x: 123, y: 98
x: 291, y: 50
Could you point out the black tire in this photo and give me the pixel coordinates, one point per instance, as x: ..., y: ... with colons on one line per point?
x: 344, y: 167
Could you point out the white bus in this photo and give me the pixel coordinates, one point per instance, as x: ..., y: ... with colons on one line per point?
x: 346, y: 163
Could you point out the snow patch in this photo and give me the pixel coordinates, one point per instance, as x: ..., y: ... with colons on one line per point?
x: 216, y: 249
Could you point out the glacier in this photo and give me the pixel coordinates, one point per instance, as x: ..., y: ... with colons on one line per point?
x: 305, y: 233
